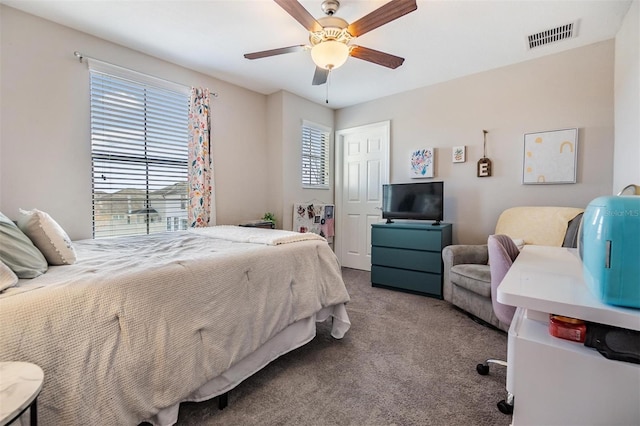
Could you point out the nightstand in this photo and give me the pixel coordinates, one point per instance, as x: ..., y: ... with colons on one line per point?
x: 259, y: 224
x: 20, y: 385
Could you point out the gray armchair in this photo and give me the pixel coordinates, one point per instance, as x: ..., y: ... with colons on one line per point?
x: 467, y: 279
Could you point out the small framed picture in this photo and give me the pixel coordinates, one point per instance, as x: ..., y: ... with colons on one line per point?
x: 459, y: 154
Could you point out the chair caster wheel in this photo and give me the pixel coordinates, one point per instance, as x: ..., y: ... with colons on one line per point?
x: 482, y: 369
x: 504, y: 407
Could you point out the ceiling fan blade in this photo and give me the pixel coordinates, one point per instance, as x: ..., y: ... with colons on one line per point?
x: 383, y: 15
x: 300, y: 14
x: 377, y: 57
x: 273, y: 52
x: 320, y: 76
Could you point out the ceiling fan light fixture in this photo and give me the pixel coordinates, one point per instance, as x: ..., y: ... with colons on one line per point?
x: 330, y: 54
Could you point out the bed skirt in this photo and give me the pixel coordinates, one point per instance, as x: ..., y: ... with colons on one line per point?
x: 294, y: 336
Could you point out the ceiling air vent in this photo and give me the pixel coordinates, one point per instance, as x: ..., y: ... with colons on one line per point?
x: 552, y: 35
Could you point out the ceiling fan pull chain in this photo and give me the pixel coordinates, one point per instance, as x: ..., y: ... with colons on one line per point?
x: 326, y: 98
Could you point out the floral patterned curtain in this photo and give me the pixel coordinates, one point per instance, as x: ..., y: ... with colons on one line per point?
x: 200, y: 163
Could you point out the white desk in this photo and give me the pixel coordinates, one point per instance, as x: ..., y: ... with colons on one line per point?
x: 555, y: 381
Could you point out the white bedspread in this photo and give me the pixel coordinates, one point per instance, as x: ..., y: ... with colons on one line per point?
x: 137, y: 324
x: 270, y: 237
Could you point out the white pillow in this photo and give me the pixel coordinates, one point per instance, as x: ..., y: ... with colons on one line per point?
x: 47, y: 236
x: 7, y: 277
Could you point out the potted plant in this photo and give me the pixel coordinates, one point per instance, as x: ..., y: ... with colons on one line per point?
x: 269, y: 217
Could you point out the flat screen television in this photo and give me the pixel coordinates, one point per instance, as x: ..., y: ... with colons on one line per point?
x: 417, y: 201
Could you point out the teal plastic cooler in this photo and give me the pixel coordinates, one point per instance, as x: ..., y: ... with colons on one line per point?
x: 610, y: 249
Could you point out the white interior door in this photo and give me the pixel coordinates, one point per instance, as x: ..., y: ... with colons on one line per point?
x: 362, y: 166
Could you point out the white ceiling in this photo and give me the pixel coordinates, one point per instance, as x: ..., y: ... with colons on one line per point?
x: 442, y: 40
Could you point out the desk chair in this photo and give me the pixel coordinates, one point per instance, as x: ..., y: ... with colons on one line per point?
x: 630, y: 190
x: 502, y: 253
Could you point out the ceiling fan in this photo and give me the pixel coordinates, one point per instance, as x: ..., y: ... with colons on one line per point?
x: 331, y: 36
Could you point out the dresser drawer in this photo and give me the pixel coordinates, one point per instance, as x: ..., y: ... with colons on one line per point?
x: 407, y: 238
x: 415, y: 281
x: 426, y: 261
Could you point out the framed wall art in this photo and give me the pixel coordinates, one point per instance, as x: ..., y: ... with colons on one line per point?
x: 422, y: 163
x: 459, y: 154
x: 550, y: 157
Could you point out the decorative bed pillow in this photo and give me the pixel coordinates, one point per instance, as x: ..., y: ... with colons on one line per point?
x: 7, y: 277
x: 48, y: 236
x: 18, y: 252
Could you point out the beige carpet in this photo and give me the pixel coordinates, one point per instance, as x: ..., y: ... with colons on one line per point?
x: 407, y: 360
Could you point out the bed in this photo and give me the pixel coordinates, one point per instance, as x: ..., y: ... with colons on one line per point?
x: 139, y: 324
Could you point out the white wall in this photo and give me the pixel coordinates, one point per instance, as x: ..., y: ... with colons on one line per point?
x: 286, y: 135
x: 275, y: 149
x: 44, y: 134
x: 570, y: 89
x: 627, y: 101
x: 44, y: 138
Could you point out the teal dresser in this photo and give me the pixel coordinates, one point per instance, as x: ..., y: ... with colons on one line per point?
x: 407, y: 256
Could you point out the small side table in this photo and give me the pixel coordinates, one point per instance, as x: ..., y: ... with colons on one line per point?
x: 266, y: 224
x: 20, y: 385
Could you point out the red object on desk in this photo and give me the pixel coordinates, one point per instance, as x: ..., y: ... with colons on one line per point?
x: 567, y: 328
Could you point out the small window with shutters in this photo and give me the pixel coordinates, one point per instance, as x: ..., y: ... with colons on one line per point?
x: 315, y: 156
x: 139, y: 138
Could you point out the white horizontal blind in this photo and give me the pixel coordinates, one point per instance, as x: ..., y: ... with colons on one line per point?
x: 315, y: 156
x: 139, y: 156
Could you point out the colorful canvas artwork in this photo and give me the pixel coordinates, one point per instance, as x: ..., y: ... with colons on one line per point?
x: 422, y: 163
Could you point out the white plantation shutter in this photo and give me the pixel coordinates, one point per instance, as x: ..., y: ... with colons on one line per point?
x: 315, y: 156
x: 139, y: 153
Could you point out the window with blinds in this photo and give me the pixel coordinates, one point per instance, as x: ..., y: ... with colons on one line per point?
x: 139, y: 155
x: 315, y: 156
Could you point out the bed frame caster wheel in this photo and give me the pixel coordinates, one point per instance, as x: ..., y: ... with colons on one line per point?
x: 504, y: 407
x: 482, y: 369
